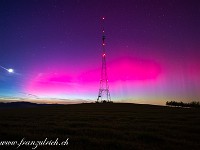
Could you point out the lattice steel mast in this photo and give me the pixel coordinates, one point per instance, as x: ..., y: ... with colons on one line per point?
x: 104, y: 93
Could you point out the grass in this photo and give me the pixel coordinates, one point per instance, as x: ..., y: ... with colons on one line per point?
x: 104, y: 126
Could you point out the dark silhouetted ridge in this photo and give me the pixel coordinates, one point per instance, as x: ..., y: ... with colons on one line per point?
x: 21, y: 105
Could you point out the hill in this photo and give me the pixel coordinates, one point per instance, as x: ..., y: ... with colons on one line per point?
x: 20, y: 105
x: 102, y: 127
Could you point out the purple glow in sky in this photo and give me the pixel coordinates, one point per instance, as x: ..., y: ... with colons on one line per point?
x: 54, y: 46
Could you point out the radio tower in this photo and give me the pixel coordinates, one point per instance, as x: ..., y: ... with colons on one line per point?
x: 104, y: 93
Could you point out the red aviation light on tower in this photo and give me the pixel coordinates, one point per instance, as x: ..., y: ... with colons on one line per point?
x: 104, y: 55
x: 103, y: 18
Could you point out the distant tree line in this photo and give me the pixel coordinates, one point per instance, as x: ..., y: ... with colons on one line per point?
x: 181, y: 104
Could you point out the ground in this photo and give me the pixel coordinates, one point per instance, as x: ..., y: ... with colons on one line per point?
x: 103, y: 126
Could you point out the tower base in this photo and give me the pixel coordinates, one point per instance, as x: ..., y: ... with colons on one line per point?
x: 103, y: 101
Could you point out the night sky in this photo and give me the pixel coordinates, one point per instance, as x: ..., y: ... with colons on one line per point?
x: 54, y: 46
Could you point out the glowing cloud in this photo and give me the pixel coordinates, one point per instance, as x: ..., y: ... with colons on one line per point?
x: 61, y: 82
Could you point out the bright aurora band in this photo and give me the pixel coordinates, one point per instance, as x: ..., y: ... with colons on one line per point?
x: 54, y: 46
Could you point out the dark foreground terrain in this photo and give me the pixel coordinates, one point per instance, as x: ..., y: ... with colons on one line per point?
x: 103, y: 127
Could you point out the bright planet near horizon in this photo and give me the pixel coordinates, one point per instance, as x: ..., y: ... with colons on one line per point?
x: 54, y: 50
x: 10, y: 70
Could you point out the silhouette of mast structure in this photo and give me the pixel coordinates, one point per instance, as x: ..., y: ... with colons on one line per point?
x: 104, y: 93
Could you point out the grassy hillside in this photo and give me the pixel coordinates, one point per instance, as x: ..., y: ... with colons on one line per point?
x: 104, y: 126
